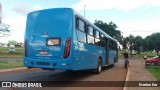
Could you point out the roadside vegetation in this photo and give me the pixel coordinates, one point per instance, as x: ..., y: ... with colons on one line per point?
x: 4, y: 52
x: 155, y: 70
x: 150, y: 54
x: 10, y: 64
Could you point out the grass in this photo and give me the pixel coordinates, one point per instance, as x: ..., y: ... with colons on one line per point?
x: 7, y: 49
x: 10, y: 64
x: 155, y: 70
x: 149, y: 54
x: 4, y: 52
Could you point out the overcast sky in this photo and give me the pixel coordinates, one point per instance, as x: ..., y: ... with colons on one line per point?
x: 136, y: 17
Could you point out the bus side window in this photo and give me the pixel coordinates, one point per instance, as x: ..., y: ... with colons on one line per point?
x: 77, y: 23
x: 102, y: 40
x: 97, y: 40
x: 81, y: 36
x: 85, y: 27
x: 90, y: 37
x: 102, y: 36
x: 112, y: 45
x: 90, y: 30
x: 81, y: 25
x: 96, y: 34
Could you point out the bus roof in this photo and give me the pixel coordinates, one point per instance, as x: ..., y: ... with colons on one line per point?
x: 51, y: 9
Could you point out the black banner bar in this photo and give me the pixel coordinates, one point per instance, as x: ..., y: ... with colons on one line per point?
x: 79, y: 83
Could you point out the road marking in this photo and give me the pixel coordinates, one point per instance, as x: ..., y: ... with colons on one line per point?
x: 127, y: 78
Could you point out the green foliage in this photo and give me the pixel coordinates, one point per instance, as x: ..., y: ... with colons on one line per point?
x: 138, y: 43
x: 131, y: 41
x: 4, y: 52
x: 128, y: 43
x: 150, y: 54
x: 148, y: 43
x: 4, y: 30
x: 124, y: 43
x: 11, y: 54
x: 152, y: 42
x: 10, y: 64
x: 12, y: 42
x: 110, y: 29
x: 155, y: 70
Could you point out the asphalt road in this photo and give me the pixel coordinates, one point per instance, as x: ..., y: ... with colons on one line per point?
x: 116, y: 73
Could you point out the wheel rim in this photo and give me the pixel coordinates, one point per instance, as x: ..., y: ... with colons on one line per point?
x: 100, y: 67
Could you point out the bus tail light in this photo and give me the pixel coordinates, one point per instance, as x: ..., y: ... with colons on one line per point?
x: 67, y: 48
x: 25, y: 48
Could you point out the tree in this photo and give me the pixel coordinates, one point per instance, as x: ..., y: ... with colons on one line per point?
x: 130, y: 43
x: 133, y: 43
x: 4, y: 30
x: 12, y: 42
x: 124, y: 43
x: 138, y: 44
x: 156, y: 41
x: 148, y: 44
x: 110, y: 29
x: 152, y: 42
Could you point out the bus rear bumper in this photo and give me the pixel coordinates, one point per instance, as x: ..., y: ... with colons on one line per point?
x: 47, y: 64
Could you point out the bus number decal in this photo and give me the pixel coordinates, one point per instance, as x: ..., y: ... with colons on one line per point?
x: 55, y: 48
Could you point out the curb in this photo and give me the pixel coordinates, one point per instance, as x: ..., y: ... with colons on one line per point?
x: 12, y: 69
x: 127, y: 78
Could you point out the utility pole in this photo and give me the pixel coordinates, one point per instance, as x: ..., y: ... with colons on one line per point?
x: 84, y: 10
x: 0, y: 13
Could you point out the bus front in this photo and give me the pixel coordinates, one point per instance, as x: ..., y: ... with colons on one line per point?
x: 48, y: 39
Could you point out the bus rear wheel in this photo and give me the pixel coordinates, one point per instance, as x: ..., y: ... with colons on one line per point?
x: 99, y: 67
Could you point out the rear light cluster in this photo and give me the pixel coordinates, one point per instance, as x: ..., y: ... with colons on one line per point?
x: 67, y: 48
x: 25, y: 48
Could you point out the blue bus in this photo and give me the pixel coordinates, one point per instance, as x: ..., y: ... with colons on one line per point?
x: 62, y: 39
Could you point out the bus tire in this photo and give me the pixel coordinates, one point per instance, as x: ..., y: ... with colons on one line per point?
x: 70, y: 71
x: 29, y: 67
x: 99, y: 67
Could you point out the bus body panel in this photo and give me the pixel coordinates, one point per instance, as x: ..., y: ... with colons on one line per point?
x: 112, y: 56
x: 41, y: 26
x: 87, y: 56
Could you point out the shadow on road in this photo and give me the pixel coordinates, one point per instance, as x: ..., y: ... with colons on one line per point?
x: 70, y: 78
x: 60, y: 75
